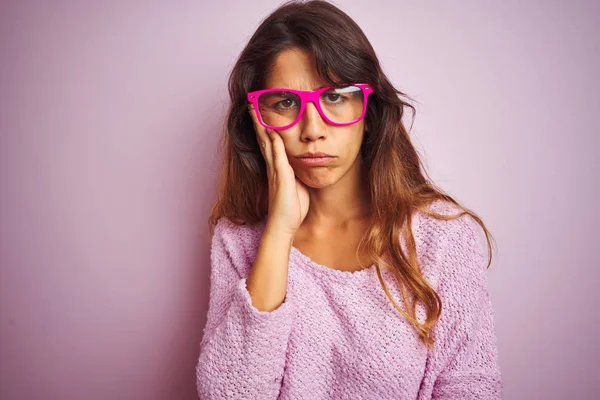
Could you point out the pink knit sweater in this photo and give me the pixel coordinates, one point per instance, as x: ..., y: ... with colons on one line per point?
x: 337, y: 335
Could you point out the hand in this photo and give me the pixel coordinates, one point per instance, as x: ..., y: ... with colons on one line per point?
x: 288, y: 196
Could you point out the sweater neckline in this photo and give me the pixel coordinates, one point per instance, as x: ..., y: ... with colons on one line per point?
x: 328, y: 271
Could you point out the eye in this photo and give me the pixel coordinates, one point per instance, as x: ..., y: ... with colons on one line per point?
x: 287, y: 103
x: 332, y: 98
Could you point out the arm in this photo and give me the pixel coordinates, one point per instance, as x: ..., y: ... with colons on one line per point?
x: 243, y: 349
x: 465, y: 363
x: 267, y: 280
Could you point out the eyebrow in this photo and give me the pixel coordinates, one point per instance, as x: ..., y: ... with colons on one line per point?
x: 287, y: 87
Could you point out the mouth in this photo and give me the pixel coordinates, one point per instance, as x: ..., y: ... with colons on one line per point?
x: 315, y: 161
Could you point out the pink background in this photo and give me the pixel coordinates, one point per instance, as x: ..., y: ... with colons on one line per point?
x: 109, y: 115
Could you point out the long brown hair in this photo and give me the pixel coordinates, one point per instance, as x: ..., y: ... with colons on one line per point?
x: 397, y: 181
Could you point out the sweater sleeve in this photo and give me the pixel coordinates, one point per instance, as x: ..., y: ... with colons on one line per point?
x: 243, y: 349
x: 464, y: 364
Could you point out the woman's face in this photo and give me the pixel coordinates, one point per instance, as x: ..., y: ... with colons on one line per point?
x: 294, y: 69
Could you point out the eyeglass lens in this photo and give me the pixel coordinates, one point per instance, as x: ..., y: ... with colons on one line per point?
x: 341, y: 105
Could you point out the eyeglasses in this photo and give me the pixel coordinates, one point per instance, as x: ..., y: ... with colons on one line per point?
x: 281, y: 108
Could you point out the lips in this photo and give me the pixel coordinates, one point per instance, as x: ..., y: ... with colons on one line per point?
x: 316, y: 154
x: 315, y: 161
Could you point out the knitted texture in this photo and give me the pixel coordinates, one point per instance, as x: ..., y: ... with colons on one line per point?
x: 338, y: 336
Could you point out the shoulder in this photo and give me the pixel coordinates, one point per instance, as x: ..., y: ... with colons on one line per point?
x: 238, y: 241
x: 226, y: 229
x: 432, y: 230
x: 447, y: 246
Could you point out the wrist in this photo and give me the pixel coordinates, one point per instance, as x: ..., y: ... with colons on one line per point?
x: 281, y: 235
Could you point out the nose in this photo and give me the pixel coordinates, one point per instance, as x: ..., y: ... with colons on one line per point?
x: 313, y: 125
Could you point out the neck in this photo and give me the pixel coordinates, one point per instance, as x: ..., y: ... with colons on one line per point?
x: 345, y: 202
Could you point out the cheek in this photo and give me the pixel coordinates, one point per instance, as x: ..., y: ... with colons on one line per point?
x: 344, y: 142
x: 353, y: 143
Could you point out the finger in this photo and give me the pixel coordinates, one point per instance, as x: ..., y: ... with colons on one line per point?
x: 280, y: 159
x: 263, y: 139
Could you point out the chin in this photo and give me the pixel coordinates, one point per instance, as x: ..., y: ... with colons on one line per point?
x: 318, y: 180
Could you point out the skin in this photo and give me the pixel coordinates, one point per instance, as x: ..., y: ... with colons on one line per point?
x: 339, y: 208
x: 308, y: 206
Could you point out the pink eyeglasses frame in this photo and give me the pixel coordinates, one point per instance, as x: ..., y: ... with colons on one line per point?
x: 306, y: 96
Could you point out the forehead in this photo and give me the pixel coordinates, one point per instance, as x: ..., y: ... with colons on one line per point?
x: 294, y: 69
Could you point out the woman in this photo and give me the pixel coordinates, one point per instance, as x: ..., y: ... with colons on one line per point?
x: 339, y: 276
